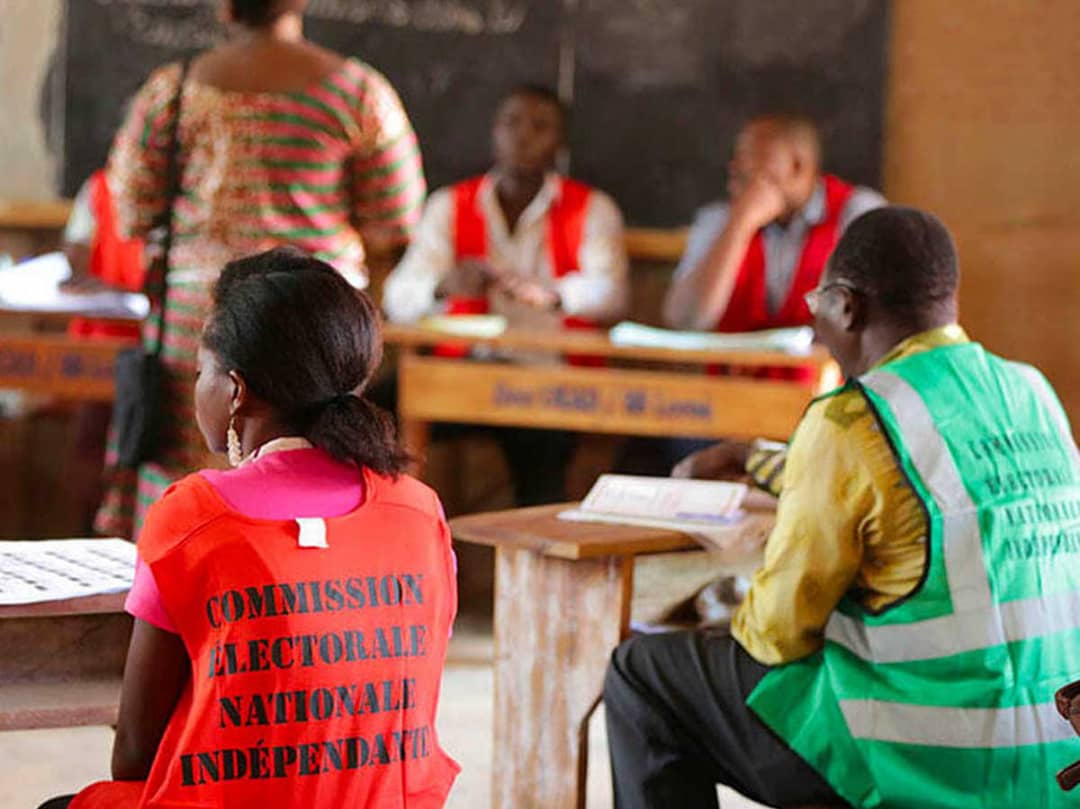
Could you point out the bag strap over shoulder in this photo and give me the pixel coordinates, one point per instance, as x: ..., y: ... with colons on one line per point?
x: 160, y: 290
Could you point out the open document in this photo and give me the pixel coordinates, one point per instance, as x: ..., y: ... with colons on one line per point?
x: 52, y: 570
x: 34, y: 286
x: 711, y: 511
x: 789, y: 341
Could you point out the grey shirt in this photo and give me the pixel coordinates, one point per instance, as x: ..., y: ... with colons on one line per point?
x: 783, y: 245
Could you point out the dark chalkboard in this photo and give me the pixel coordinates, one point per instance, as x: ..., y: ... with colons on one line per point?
x: 657, y: 87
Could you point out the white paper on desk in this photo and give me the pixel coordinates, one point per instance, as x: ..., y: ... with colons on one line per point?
x: 789, y: 341
x: 481, y: 326
x: 670, y: 500
x: 34, y: 285
x: 52, y: 570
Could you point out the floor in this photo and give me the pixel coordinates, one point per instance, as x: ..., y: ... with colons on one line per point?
x: 43, y: 763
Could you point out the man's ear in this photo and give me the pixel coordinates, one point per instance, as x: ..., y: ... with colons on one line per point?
x: 853, y: 310
x: 240, y: 396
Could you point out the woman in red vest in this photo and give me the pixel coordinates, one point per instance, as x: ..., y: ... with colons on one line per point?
x: 292, y: 613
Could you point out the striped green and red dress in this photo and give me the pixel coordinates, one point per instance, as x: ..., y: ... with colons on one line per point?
x: 318, y: 168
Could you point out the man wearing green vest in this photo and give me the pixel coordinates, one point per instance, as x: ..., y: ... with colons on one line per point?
x: 920, y: 597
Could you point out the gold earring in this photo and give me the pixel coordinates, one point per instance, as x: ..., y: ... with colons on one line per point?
x: 232, y: 442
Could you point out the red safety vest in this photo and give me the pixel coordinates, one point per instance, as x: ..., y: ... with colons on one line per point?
x: 566, y: 229
x: 748, y: 309
x: 116, y: 261
x: 315, y: 670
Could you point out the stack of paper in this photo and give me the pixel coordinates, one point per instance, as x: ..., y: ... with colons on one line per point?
x: 34, y: 286
x: 709, y: 511
x: 64, y: 568
x: 681, y: 505
x: 789, y: 341
x: 478, y: 326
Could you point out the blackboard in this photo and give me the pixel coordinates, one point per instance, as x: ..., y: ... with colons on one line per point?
x: 657, y: 88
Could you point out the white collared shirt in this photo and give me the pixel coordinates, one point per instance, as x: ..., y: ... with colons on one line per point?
x: 598, y: 291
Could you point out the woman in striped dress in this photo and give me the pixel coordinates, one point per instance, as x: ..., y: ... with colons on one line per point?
x: 280, y: 142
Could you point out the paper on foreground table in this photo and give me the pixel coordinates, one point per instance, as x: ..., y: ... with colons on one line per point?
x: 710, y: 511
x: 704, y: 502
x: 480, y: 326
x: 52, y: 570
x: 789, y: 341
x: 34, y: 285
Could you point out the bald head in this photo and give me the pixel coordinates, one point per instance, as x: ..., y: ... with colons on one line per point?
x: 797, y: 132
x: 893, y: 275
x: 904, y: 259
x: 785, y: 149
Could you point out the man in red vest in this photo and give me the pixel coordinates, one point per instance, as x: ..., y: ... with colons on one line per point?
x: 521, y: 241
x: 748, y: 262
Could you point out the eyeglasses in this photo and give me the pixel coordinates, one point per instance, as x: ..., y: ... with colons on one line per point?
x: 813, y: 297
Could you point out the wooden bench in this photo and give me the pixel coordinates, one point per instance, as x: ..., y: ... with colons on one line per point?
x: 62, y: 662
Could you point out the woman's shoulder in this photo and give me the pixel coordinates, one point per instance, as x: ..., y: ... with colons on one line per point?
x: 405, y: 491
x: 364, y: 86
x: 161, y: 85
x: 186, y: 506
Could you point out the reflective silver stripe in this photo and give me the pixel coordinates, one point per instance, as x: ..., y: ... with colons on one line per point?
x: 1021, y: 619
x: 1053, y: 407
x: 955, y: 727
x: 976, y: 622
x: 965, y: 568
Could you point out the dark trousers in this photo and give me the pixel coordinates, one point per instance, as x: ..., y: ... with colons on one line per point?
x: 678, y: 725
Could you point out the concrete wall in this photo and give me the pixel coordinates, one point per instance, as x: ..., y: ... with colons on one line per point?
x: 28, y: 32
x: 982, y: 129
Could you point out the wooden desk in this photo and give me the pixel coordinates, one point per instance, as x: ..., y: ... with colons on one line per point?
x: 62, y: 662
x: 31, y: 227
x: 562, y: 603
x: 59, y: 365
x: 663, y: 398
x: 36, y: 355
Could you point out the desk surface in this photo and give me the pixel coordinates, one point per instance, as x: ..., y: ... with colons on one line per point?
x: 596, y: 343
x: 568, y: 342
x: 54, y: 319
x: 539, y: 529
x: 18, y: 214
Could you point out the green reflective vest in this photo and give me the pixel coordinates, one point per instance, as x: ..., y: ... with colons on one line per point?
x: 946, y: 699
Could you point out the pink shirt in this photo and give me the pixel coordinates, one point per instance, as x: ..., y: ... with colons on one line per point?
x: 280, y: 485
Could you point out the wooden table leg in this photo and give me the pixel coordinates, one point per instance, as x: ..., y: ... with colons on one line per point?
x: 556, y: 624
x: 415, y: 436
x: 415, y: 433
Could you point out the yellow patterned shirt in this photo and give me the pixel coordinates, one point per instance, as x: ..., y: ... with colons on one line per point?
x: 847, y: 521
